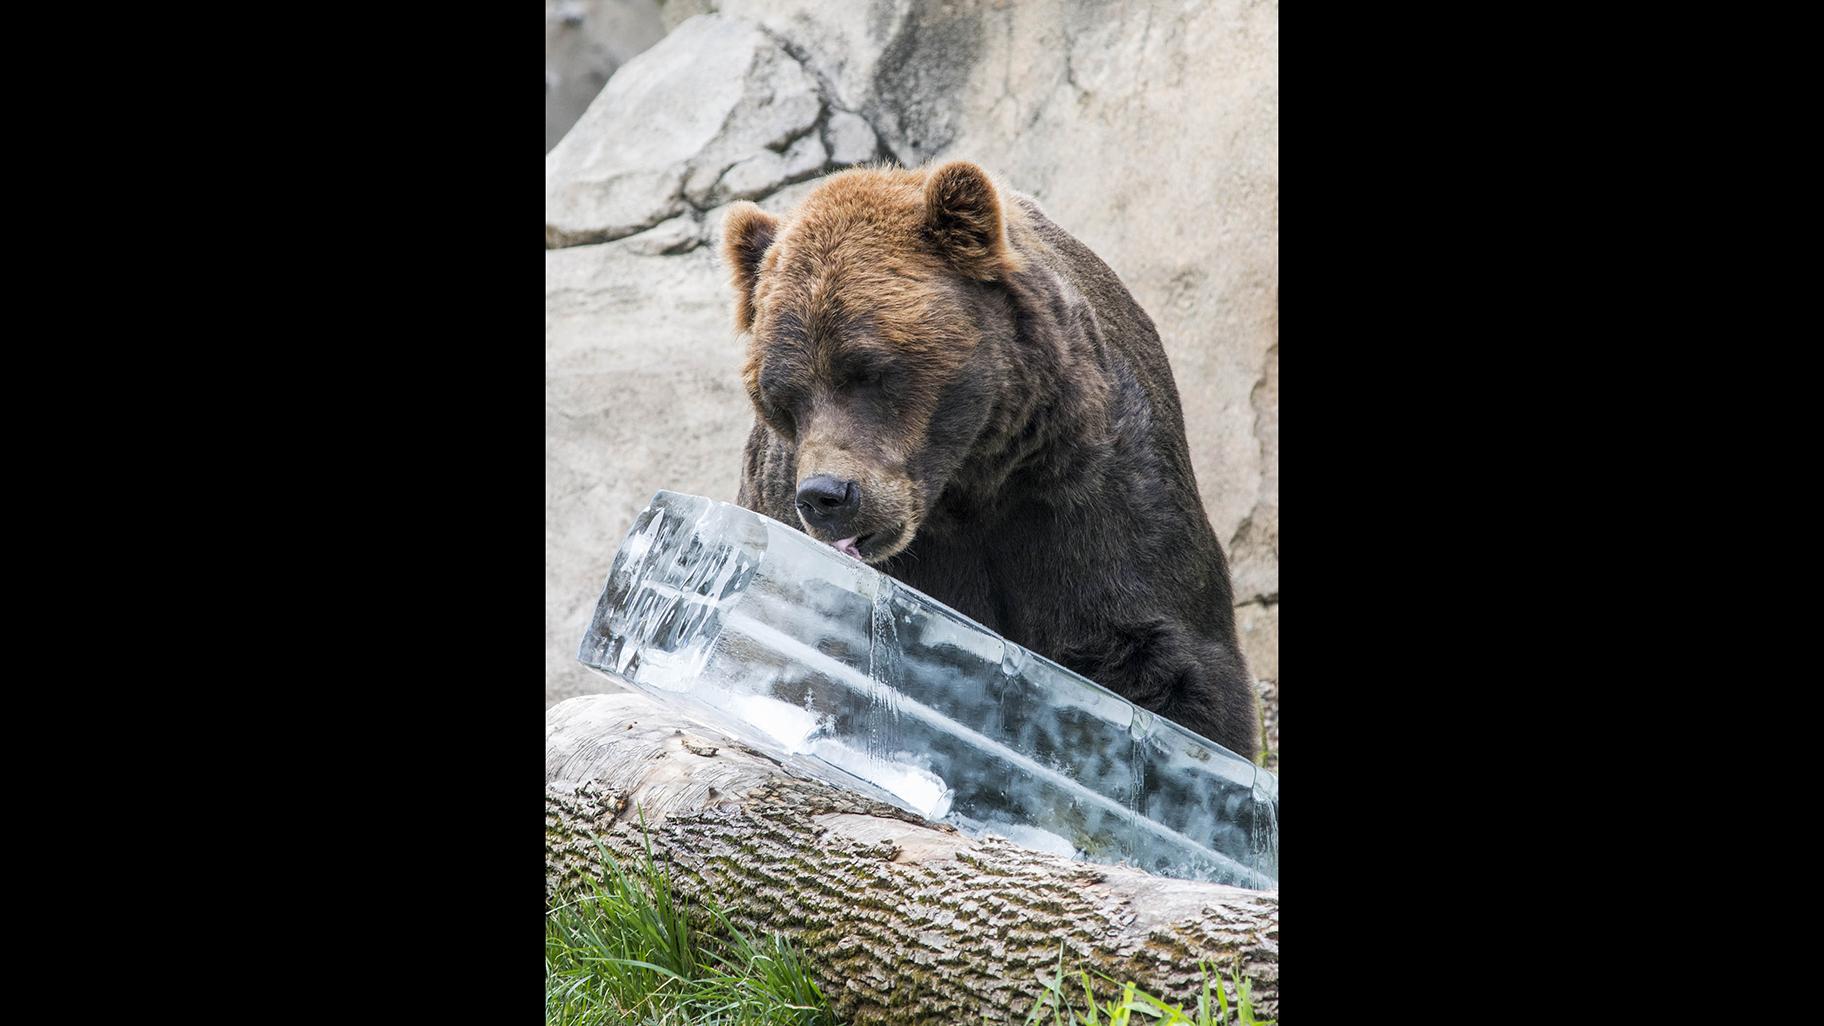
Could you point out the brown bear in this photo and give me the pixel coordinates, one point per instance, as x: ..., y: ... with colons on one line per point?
x: 954, y: 390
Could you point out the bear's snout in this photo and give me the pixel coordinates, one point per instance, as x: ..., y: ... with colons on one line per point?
x: 829, y: 504
x: 857, y: 509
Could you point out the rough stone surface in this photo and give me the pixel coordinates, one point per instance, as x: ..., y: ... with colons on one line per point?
x: 673, y: 236
x: 1269, y: 703
x: 855, y: 49
x: 675, y: 12
x: 670, y: 123
x: 585, y: 42
x: 1254, y: 547
x: 850, y: 139
x: 1258, y: 625
x: 1148, y: 130
x: 762, y: 173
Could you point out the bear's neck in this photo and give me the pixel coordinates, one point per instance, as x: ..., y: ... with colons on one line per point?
x: 1046, y: 443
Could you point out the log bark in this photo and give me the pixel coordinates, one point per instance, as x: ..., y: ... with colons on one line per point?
x: 902, y: 920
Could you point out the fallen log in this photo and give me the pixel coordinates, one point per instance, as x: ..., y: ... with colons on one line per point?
x: 902, y: 920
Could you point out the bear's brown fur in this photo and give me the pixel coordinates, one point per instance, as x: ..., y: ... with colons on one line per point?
x: 954, y: 389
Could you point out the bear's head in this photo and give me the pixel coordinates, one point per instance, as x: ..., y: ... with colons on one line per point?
x: 879, y: 336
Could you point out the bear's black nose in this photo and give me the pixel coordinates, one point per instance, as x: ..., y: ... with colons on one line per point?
x: 827, y: 502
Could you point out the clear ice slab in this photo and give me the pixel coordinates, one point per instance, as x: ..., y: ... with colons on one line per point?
x: 784, y: 642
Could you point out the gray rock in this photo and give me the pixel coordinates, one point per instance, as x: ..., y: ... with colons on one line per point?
x: 850, y: 139
x: 1254, y: 549
x: 676, y: 12
x: 1257, y: 624
x: 760, y: 174
x: 673, y: 236
x: 670, y: 123
x: 846, y: 45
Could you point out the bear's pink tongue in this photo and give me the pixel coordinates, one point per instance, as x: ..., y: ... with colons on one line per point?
x: 847, y: 547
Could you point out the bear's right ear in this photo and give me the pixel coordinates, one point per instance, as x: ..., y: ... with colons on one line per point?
x: 747, y: 231
x: 963, y: 217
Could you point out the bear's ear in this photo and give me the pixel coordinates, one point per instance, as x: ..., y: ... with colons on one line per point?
x: 963, y: 218
x: 747, y: 231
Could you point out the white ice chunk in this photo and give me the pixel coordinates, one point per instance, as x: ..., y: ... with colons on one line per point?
x: 788, y: 725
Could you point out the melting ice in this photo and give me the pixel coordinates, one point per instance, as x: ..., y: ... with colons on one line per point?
x: 755, y: 627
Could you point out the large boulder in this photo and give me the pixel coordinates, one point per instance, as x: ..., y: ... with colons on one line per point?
x: 717, y: 112
x: 1149, y: 130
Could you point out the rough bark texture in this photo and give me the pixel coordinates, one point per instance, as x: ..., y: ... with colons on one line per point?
x: 903, y: 921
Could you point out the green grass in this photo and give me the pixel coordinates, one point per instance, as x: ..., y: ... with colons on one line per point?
x: 1135, y: 1006
x: 625, y: 953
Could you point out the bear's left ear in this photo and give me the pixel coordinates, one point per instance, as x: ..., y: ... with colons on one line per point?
x: 963, y: 217
x: 747, y: 231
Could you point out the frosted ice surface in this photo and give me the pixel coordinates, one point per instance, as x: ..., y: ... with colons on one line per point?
x: 805, y: 652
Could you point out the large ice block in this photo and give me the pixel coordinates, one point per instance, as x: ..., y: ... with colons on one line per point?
x: 759, y: 629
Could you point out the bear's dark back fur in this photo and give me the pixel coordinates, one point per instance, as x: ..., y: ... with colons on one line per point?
x: 1068, y: 517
